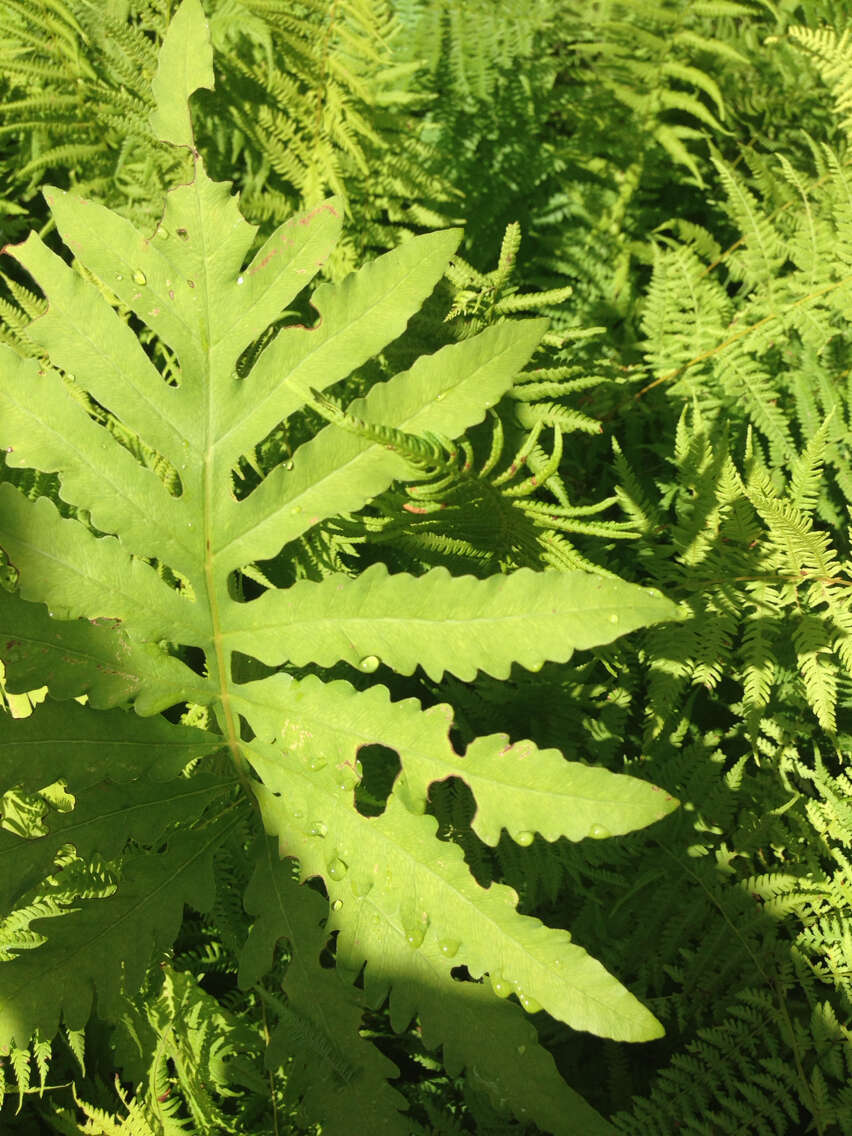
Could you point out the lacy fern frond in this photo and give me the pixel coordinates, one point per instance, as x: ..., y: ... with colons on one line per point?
x: 757, y: 572
x: 831, y: 53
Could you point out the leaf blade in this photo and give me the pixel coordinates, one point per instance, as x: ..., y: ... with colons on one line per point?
x: 441, y: 623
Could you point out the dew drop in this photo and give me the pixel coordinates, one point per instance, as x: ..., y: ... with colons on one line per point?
x: 336, y: 906
x: 288, y: 465
x: 139, y: 277
x: 525, y: 839
x: 415, y: 932
x: 501, y: 986
x: 522, y: 1050
x: 442, y: 395
x: 529, y: 1004
x: 613, y: 618
x: 346, y: 779
x: 318, y: 829
x: 241, y: 279
x: 118, y: 276
x: 296, y: 509
x: 415, y: 937
x: 361, y: 886
x: 316, y: 764
x: 337, y: 869
x: 369, y: 664
x: 598, y: 832
x: 449, y: 948
x: 183, y: 234
x: 162, y: 233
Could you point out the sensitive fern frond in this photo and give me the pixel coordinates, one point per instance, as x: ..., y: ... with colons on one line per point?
x: 147, y: 578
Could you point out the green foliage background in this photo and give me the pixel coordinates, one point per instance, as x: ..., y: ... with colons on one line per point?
x: 669, y: 184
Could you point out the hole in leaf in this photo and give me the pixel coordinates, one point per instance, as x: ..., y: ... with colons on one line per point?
x: 460, y: 974
x: 381, y: 767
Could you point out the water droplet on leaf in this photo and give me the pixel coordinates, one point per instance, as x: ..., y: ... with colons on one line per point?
x: 346, y: 778
x: 118, y: 276
x: 317, y: 763
x: 369, y: 664
x: 336, y: 906
x: 501, y: 986
x: 139, y: 277
x: 599, y: 832
x: 361, y: 886
x: 241, y: 279
x: 288, y: 465
x: 613, y: 618
x: 337, y: 869
x: 296, y: 509
x: 318, y: 829
x: 529, y: 1004
x: 525, y: 839
x: 415, y: 929
x: 449, y: 948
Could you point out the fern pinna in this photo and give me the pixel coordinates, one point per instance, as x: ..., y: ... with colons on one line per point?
x: 135, y: 575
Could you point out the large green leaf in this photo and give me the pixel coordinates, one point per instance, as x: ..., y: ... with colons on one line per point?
x: 340, y: 1077
x: 395, y: 887
x: 88, y: 657
x: 519, y: 787
x: 104, y: 946
x: 93, y: 747
x: 439, y: 622
x: 141, y: 565
x: 101, y: 824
